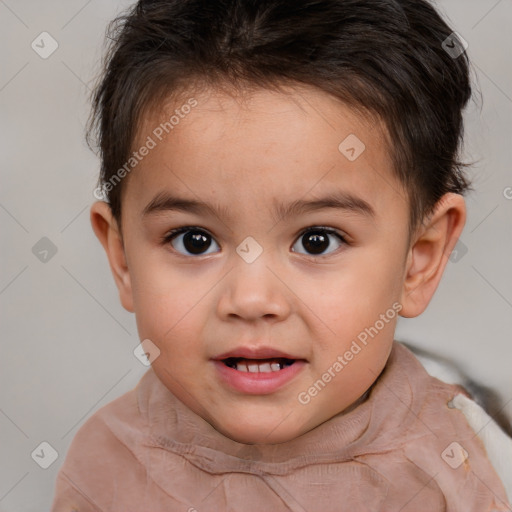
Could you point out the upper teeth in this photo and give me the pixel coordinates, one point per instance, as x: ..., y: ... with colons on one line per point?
x: 256, y: 367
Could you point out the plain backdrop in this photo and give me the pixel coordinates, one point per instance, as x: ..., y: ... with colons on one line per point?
x: 67, y: 343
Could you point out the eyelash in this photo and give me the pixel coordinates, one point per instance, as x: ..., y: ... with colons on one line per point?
x: 170, y: 235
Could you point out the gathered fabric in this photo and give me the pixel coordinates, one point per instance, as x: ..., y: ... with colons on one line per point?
x: 402, y: 448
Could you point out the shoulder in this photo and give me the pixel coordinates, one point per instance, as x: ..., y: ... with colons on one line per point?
x: 107, y: 448
x: 114, y: 426
x: 498, y: 445
x: 443, y: 443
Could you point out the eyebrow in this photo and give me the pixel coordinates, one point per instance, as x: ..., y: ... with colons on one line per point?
x: 165, y: 201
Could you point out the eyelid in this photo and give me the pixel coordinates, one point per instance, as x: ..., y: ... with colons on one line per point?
x: 169, y: 235
x: 173, y: 232
x: 327, y: 229
x: 344, y: 238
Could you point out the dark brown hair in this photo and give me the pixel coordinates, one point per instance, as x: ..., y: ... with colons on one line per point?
x: 383, y: 57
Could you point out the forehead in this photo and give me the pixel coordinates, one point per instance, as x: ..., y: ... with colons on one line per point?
x: 262, y: 148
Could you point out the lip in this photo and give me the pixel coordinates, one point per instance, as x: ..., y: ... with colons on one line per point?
x: 262, y: 352
x: 260, y: 383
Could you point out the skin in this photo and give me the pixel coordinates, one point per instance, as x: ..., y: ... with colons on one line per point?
x: 244, y: 154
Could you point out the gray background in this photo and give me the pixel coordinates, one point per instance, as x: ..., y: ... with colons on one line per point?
x: 67, y: 343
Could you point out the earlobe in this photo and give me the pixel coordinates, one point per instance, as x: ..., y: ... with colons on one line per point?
x: 429, y: 253
x: 106, y: 229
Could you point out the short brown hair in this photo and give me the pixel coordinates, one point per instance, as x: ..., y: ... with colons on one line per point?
x: 384, y: 57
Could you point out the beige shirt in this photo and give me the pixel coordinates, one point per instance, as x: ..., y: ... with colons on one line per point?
x: 402, y: 449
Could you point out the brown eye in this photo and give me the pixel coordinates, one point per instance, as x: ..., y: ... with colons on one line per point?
x: 189, y: 241
x: 316, y: 241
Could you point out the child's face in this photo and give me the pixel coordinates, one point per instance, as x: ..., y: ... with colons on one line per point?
x: 200, y: 295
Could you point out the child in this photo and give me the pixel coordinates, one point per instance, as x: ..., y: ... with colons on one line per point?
x: 311, y: 148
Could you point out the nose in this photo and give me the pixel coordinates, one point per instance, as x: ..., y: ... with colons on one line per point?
x: 254, y: 290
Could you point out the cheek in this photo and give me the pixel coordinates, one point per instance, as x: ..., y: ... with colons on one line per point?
x: 359, y: 292
x: 378, y: 272
x: 155, y: 280
x: 362, y: 371
x: 350, y: 309
x: 167, y: 304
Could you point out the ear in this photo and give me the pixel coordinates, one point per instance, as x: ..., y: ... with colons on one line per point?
x: 106, y: 229
x: 429, y: 253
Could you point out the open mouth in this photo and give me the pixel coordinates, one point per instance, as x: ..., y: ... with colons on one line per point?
x: 258, y: 375
x: 258, y: 365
